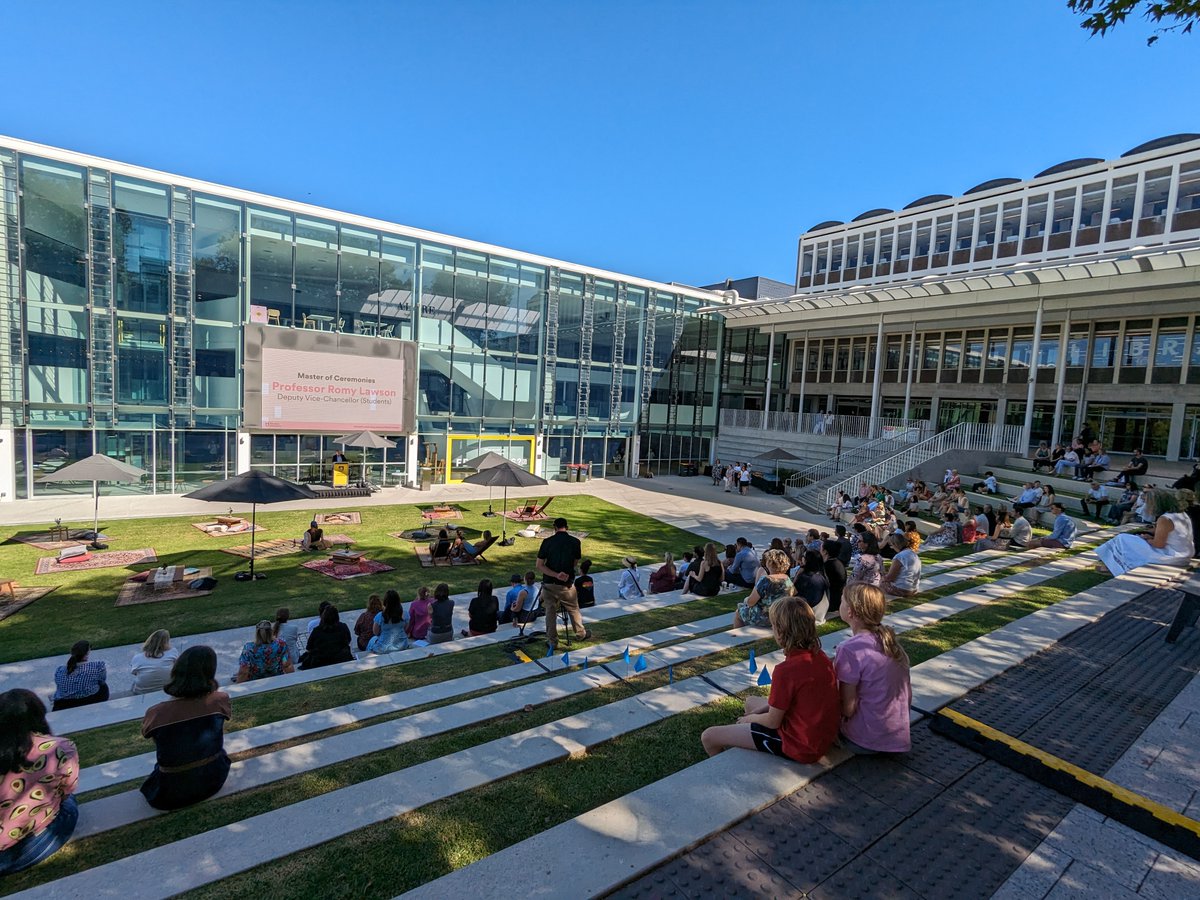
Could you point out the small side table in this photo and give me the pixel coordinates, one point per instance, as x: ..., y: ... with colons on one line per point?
x: 60, y: 533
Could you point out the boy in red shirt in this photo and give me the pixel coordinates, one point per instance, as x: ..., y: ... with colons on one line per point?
x: 800, y: 718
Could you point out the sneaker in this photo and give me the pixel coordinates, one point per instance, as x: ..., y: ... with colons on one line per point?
x: 586, y: 636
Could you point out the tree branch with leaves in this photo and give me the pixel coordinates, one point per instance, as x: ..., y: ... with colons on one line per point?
x: 1101, y: 16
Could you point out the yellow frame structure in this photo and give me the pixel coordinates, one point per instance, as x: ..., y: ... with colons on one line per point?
x: 508, y: 439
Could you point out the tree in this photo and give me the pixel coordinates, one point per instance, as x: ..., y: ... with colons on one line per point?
x: 1101, y: 16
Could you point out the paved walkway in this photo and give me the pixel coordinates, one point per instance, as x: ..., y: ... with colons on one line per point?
x: 944, y: 822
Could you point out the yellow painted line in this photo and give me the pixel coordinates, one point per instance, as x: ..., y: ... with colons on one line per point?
x: 1164, y: 813
x: 521, y: 656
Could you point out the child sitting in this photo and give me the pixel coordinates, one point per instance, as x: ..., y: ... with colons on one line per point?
x: 872, y: 672
x: 799, y: 719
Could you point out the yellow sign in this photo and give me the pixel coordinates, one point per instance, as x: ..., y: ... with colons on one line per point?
x: 341, y: 474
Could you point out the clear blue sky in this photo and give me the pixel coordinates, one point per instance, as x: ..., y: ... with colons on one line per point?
x: 680, y: 141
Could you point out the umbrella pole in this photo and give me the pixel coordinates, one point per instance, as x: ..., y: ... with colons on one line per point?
x: 96, y: 515
x: 253, y: 533
x: 504, y: 524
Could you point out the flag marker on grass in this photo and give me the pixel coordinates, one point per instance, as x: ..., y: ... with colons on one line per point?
x: 764, y: 677
x: 753, y: 663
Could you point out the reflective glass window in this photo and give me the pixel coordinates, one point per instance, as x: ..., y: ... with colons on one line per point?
x: 54, y: 232
x: 1022, y: 348
x: 1010, y: 226
x: 1187, y: 200
x: 1153, y: 216
x: 985, y: 247
x: 973, y: 358
x: 216, y: 366
x: 1035, y: 224
x: 141, y: 360
x: 965, y: 227
x: 923, y: 242
x: 58, y: 354
x: 835, y: 256
x: 822, y: 258
x: 1062, y: 219
x: 885, y: 247
x: 997, y: 354
x: 868, y: 250
x: 271, y: 264
x: 941, y: 238
x: 1091, y: 213
x: 1104, y: 351
x: 217, y: 259
x: 604, y: 316
x: 852, y: 243
x: 806, y: 265
x: 904, y: 242
x: 397, y: 276
x: 359, y: 281
x: 1136, y: 351
x: 141, y: 246
x: 1169, y: 348
x: 1120, y: 208
x: 316, y: 276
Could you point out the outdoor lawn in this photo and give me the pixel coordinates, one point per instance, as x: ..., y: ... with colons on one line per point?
x: 83, y: 606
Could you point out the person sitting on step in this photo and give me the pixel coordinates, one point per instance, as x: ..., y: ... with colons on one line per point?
x: 799, y: 718
x: 151, y: 668
x: 663, y: 578
x: 1063, y: 534
x: 80, y: 682
x: 903, y: 576
x: 389, y: 626
x: 1138, y: 464
x: 483, y: 612
x: 873, y: 677
x: 1021, y: 532
x: 1170, y: 544
x: 265, y: 656
x: 629, y: 587
x: 704, y: 579
x: 988, y: 485
x: 420, y: 613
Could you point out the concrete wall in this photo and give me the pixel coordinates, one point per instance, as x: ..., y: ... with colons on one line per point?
x: 744, y: 444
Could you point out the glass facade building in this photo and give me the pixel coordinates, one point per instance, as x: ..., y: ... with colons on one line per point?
x: 125, y: 294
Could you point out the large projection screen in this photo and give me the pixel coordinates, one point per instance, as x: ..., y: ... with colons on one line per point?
x: 298, y: 380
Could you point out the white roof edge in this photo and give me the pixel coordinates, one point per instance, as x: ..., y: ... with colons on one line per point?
x: 134, y: 171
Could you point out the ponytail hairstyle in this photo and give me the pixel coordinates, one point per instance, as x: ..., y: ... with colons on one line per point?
x: 281, y: 618
x: 79, y: 652
x: 868, y: 604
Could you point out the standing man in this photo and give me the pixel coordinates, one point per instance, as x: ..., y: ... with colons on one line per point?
x: 556, y: 560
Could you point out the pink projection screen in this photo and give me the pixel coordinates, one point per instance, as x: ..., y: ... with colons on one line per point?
x: 305, y: 390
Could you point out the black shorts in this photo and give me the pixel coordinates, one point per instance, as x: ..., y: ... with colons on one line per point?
x: 767, y: 740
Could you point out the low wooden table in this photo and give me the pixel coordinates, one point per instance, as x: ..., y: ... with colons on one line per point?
x: 59, y: 533
x: 10, y: 585
x: 346, y: 556
x: 167, y: 577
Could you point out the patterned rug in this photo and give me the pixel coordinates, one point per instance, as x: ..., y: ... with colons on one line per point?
x: 518, y: 515
x: 25, y: 596
x: 440, y: 513
x: 346, y: 518
x: 281, y: 546
x: 425, y: 558
x: 135, y: 592
x: 343, y: 571
x: 49, y: 565
x: 430, y: 532
x: 41, y: 539
x: 204, y: 526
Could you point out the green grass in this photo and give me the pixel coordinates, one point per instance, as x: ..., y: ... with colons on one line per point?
x: 82, y: 606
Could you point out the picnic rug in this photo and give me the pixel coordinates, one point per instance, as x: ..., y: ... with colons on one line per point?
x: 25, y: 596
x: 544, y: 533
x: 345, y: 518
x: 135, y: 592
x: 519, y: 515
x: 280, y: 546
x: 430, y: 533
x: 440, y: 513
x: 41, y: 539
x: 343, y: 571
x: 49, y: 565
x: 425, y: 558
x: 204, y: 526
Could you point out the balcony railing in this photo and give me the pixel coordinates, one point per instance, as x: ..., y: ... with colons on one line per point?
x: 910, y: 430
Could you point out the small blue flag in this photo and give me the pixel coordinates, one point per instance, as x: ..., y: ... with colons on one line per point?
x: 764, y: 677
x: 626, y: 654
x: 670, y: 674
x: 585, y: 662
x: 566, y: 659
x: 753, y: 663
x: 641, y: 664
x: 549, y: 650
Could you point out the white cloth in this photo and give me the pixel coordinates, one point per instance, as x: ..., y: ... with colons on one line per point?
x: 1128, y: 551
x: 628, y: 587
x: 151, y: 673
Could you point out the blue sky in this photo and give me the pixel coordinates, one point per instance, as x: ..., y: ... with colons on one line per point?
x: 680, y: 141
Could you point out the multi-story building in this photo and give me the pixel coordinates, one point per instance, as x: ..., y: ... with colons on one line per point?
x: 181, y: 326
x: 1070, y: 297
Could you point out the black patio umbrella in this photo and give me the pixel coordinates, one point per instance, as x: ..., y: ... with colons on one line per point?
x: 775, y: 456
x: 489, y: 460
x: 366, y: 440
x: 253, y: 487
x: 97, y: 468
x: 505, y: 475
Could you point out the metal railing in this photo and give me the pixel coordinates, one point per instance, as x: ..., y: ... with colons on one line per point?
x: 855, y: 458
x: 963, y: 436
x: 826, y: 423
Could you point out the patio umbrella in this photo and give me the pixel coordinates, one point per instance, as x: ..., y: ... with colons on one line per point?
x: 366, y: 440
x: 489, y: 460
x: 97, y: 468
x: 505, y: 475
x: 776, y: 455
x: 253, y: 487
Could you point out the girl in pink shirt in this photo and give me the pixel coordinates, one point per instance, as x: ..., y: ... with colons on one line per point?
x: 872, y: 671
x: 420, y: 614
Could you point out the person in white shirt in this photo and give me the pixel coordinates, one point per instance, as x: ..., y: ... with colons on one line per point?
x: 1170, y: 545
x: 1068, y: 463
x: 629, y: 588
x: 1096, y: 497
x: 1022, y: 532
x: 151, y: 668
x: 988, y: 485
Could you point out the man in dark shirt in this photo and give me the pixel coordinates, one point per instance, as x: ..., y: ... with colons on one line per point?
x: 556, y: 561
x: 585, y: 587
x: 845, y: 548
x: 835, y: 571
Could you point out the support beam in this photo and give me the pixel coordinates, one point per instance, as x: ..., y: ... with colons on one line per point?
x: 912, y: 361
x: 803, y: 377
x: 877, y: 380
x: 767, y: 392
x: 1027, y: 428
x: 1060, y: 379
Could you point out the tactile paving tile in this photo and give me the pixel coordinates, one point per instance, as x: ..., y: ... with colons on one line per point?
x: 862, y: 879
x: 889, y: 780
x: 854, y: 816
x: 723, y: 867
x: 966, y: 843
x: 936, y: 758
x: 794, y: 845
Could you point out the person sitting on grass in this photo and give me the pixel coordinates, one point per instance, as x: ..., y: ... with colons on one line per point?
x: 772, y: 586
x: 329, y: 642
x: 873, y: 677
x: 188, y: 733
x: 950, y: 533
x: 38, y: 777
x: 483, y: 612
x: 265, y: 656
x: 364, y: 625
x: 388, y: 626
x: 420, y: 613
x: 440, y: 549
x: 1170, y: 544
x: 663, y: 578
x: 314, y: 538
x: 704, y: 579
x: 79, y: 682
x: 1063, y: 534
x: 903, y: 577
x: 441, y: 611
x: 151, y: 668
x: 799, y: 719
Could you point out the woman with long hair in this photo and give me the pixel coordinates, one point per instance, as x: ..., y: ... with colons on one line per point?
x: 420, y: 613
x: 484, y: 610
x: 188, y: 733
x: 388, y: 626
x: 364, y: 626
x: 79, y: 681
x: 38, y: 776
x: 328, y: 643
x: 873, y: 678
x: 704, y: 578
x: 264, y: 656
x: 1170, y: 544
x: 867, y: 569
x: 151, y: 668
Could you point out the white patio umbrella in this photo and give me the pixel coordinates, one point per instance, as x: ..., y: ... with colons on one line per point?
x: 97, y: 468
x: 365, y: 440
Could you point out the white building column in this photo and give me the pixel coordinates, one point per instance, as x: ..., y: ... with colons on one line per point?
x: 767, y: 389
x: 1060, y: 379
x: 877, y: 381
x: 803, y: 379
x: 1174, y: 436
x: 912, y: 361
x: 8, y: 465
x: 1027, y: 428
x: 412, y: 463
